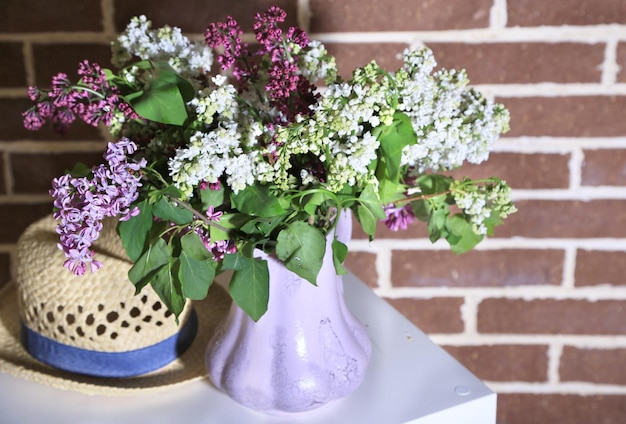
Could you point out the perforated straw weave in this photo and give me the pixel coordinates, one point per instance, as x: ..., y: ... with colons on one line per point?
x: 97, y: 312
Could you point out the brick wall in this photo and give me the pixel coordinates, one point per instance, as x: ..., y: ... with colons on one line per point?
x: 539, y: 310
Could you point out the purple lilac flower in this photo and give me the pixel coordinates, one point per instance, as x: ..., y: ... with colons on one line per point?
x: 93, y: 100
x: 289, y: 92
x: 398, y: 218
x: 219, y: 248
x: 212, y: 215
x: 81, y: 204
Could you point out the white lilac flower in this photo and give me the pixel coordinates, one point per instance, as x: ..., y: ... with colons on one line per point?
x: 209, y: 156
x: 453, y: 124
x: 316, y: 63
x: 190, y: 59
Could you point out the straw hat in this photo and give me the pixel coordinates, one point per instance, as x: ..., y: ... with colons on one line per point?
x: 91, y: 333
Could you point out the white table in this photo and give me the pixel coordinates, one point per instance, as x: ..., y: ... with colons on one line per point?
x: 410, y: 380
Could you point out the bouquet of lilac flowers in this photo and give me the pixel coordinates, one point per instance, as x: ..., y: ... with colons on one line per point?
x: 209, y: 166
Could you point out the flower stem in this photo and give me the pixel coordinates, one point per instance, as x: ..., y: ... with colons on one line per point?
x: 195, y: 213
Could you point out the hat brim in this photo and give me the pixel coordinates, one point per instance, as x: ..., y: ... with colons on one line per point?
x: 188, y: 367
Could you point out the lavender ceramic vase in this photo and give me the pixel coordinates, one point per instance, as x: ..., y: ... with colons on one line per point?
x: 306, y: 351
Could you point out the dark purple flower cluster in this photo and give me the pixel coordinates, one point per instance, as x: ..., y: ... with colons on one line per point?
x: 81, y: 204
x: 287, y: 90
x: 93, y: 100
x: 399, y: 217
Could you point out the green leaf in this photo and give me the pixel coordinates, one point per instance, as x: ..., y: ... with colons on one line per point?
x: 213, y: 198
x: 164, y: 100
x: 249, y: 286
x: 313, y: 200
x: 156, y: 256
x: 167, y: 211
x: 393, y: 138
x: 167, y: 286
x: 340, y: 252
x: 256, y: 200
x: 390, y: 191
x: 196, y: 276
x: 80, y: 170
x: 192, y: 244
x: 369, y: 211
x: 421, y: 209
x: 301, y: 247
x: 135, y: 231
x: 434, y: 183
x: 463, y: 237
x: 492, y: 221
x: 437, y: 223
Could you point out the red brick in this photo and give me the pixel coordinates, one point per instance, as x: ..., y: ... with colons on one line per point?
x: 352, y: 56
x: 16, y: 217
x: 605, y: 167
x: 596, y: 267
x: 566, y: 218
x: 601, y: 366
x: 435, y: 315
x: 526, y: 408
x: 621, y: 62
x: 522, y: 171
x: 15, y: 74
x: 5, y: 269
x: 574, y: 116
x: 522, y: 63
x: 195, y: 15
x: 478, y: 268
x: 53, y: 15
x: 565, y: 12
x: 12, y: 128
x: 504, y: 362
x: 401, y: 15
x: 552, y: 316
x: 33, y: 173
x: 363, y: 265
x: 50, y: 59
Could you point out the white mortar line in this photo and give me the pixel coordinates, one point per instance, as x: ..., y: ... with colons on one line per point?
x: 469, y: 314
x: 108, y: 21
x: 575, y: 165
x: 498, y: 15
x: 582, y: 194
x: 550, y: 89
x: 607, y: 244
x: 7, y: 173
x: 543, y: 34
x: 52, y: 146
x: 557, y: 144
x: 554, y: 360
x: 20, y: 199
x: 29, y: 64
x: 569, y: 268
x: 526, y: 292
x: 86, y: 37
x: 560, y: 389
x: 304, y: 14
x: 482, y: 339
x: 609, y: 67
x: 383, y: 268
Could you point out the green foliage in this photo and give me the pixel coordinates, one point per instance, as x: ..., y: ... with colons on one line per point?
x: 301, y: 247
x: 249, y: 285
x: 164, y: 100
